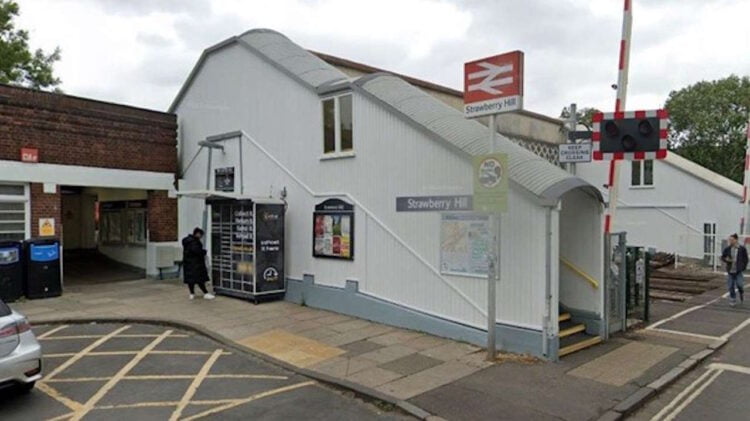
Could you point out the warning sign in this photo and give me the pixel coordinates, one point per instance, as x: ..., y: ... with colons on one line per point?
x: 46, y: 227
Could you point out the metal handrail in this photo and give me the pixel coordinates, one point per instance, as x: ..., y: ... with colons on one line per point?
x: 580, y: 272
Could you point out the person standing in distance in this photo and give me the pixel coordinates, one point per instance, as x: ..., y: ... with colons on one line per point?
x: 735, y: 256
x: 194, y: 264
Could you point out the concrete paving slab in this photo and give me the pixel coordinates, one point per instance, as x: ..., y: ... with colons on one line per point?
x: 360, y: 347
x: 450, y: 351
x: 396, y: 337
x: 411, y: 364
x: 294, y: 349
x: 389, y: 353
x: 624, y: 364
x: 374, y: 377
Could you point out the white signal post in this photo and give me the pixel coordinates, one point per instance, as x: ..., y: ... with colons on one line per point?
x: 622, y: 88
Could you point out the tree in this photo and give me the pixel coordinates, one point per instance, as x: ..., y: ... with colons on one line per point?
x: 585, y: 116
x: 708, y: 123
x: 18, y: 64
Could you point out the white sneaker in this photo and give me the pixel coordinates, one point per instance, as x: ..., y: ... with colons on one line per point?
x: 208, y: 296
x: 192, y: 296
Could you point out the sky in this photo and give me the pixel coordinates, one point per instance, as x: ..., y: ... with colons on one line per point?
x: 139, y: 52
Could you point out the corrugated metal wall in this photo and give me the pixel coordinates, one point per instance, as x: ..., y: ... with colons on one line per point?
x: 235, y: 90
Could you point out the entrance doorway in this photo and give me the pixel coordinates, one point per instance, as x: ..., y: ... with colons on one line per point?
x: 103, y: 234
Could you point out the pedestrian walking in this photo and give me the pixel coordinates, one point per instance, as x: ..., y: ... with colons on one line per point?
x: 735, y: 257
x: 194, y: 264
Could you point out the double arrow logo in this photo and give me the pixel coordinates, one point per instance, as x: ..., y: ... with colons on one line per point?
x: 491, y: 78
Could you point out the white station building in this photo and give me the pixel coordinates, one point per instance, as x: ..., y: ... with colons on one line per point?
x: 293, y: 127
x: 673, y: 205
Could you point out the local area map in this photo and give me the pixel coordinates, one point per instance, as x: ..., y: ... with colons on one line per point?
x: 464, y: 243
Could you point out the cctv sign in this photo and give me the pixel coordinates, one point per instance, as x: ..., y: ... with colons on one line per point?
x: 493, y: 85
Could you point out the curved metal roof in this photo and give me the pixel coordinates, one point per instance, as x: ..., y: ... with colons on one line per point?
x: 528, y: 170
x: 291, y: 58
x: 544, y: 180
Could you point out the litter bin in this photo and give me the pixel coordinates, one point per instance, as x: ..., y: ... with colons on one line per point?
x: 43, y: 277
x: 11, y: 271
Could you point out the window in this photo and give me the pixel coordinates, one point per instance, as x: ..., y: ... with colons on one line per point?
x: 642, y: 173
x: 13, y: 210
x: 123, y: 222
x: 338, y: 127
x: 709, y: 242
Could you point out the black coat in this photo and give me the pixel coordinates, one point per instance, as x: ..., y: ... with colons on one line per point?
x: 726, y: 256
x: 194, y: 261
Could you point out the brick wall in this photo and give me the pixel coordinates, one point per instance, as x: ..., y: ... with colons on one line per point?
x: 75, y: 131
x: 162, y: 217
x: 45, y: 205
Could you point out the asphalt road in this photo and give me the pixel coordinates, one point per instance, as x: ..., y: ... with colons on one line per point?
x: 142, y: 372
x: 718, y: 389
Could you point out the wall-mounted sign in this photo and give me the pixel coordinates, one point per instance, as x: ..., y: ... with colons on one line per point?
x: 224, y: 179
x: 434, y: 203
x: 333, y: 230
x: 493, y: 85
x: 491, y: 183
x: 575, y: 152
x: 46, y: 227
x: 464, y: 243
x: 29, y: 155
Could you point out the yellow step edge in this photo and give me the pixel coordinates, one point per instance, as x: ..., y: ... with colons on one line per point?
x: 572, y: 330
x: 579, y: 346
x: 563, y: 317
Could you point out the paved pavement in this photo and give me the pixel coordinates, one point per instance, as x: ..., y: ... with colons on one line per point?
x: 447, y: 378
x: 718, y: 388
x: 144, y: 372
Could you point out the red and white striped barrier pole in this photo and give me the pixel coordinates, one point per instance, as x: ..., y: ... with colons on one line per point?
x: 622, y: 88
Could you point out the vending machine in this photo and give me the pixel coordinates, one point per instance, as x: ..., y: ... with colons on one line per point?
x: 247, y: 247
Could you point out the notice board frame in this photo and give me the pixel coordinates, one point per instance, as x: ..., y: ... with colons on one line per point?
x: 334, y: 207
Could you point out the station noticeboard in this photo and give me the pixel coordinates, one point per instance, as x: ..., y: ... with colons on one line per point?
x: 490, y: 181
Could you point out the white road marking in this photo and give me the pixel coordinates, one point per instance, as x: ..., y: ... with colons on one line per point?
x: 679, y: 332
x: 736, y: 329
x: 694, y: 395
x: 730, y: 367
x: 684, y: 312
x: 664, y: 411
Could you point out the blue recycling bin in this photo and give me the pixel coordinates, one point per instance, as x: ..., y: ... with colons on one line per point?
x: 11, y: 271
x: 43, y: 276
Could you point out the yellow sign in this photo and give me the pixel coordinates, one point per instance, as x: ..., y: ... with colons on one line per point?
x: 46, y: 227
x: 491, y: 183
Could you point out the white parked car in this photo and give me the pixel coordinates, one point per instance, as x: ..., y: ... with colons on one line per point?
x: 20, y: 353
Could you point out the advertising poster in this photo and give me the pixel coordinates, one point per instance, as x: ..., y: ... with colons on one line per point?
x: 333, y: 230
x: 464, y: 244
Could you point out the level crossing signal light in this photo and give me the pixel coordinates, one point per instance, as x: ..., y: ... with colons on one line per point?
x: 630, y: 135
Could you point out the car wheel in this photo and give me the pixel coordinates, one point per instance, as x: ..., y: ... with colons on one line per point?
x: 26, y: 387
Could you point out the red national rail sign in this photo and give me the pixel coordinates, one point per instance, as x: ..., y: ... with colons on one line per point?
x: 493, y: 85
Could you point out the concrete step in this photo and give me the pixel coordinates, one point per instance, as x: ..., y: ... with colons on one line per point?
x: 563, y: 317
x: 577, y: 342
x: 572, y: 330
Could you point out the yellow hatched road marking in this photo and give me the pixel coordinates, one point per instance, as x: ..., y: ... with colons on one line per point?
x: 190, y: 392
x: 61, y: 417
x: 169, y: 377
x: 111, y: 353
x: 51, y: 331
x: 54, y: 394
x: 82, y: 353
x: 89, y: 405
x: 249, y: 399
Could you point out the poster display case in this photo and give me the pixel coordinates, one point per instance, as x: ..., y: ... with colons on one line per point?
x: 247, y: 247
x: 333, y: 230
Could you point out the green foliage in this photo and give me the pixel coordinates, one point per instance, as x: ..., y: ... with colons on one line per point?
x: 708, y: 123
x: 18, y: 64
x: 585, y: 115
